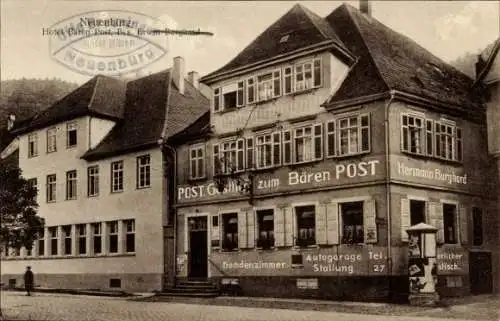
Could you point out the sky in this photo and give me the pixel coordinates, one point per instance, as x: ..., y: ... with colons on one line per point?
x: 449, y: 29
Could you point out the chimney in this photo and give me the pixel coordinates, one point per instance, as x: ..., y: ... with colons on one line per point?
x: 178, y: 74
x: 365, y: 7
x: 10, y: 121
x: 193, y: 78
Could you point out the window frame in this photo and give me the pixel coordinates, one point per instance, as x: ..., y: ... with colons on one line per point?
x: 359, y: 132
x: 51, y: 188
x: 302, y: 64
x: 308, y: 241
x: 81, y: 236
x: 51, y: 134
x: 407, y: 138
x: 95, y: 235
x: 342, y: 226
x: 143, y: 171
x: 70, y: 127
x: 451, y: 137
x: 41, y: 243
x: 112, y: 237
x: 71, y: 185
x: 93, y: 181
x: 197, y: 159
x: 119, y: 176
x: 456, y: 232
x: 313, y: 138
x: 32, y: 145
x: 67, y: 240
x: 54, y: 250
x: 128, y: 233
x: 269, y: 242
x: 223, y: 228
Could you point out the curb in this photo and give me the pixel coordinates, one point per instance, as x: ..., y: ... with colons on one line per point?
x: 77, y: 292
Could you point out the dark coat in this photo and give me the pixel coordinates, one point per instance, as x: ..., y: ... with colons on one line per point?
x: 28, y: 279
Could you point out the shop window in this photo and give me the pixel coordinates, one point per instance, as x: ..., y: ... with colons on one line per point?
x: 112, y: 237
x: 53, y: 240
x: 450, y: 223
x: 97, y: 238
x: 67, y: 239
x: 81, y: 229
x: 32, y: 145
x: 354, y: 135
x: 417, y: 212
x: 129, y: 226
x: 230, y: 231
x: 477, y: 226
x: 71, y: 135
x: 306, y: 225
x: 265, y: 220
x: 197, y: 162
x: 352, y: 222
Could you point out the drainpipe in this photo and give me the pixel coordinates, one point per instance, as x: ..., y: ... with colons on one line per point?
x: 387, y: 188
x: 173, y: 152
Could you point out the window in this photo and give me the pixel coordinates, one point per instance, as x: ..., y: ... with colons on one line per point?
x: 29, y: 251
x: 354, y: 135
x: 265, y: 220
x: 429, y: 137
x: 117, y: 176
x: 287, y: 147
x: 449, y: 222
x: 417, y: 212
x: 97, y: 237
x: 477, y: 226
x: 230, y: 231
x: 306, y: 225
x: 81, y: 229
x: 240, y: 99
x: 53, y: 240
x: 330, y: 139
x: 67, y: 239
x: 308, y: 75
x: 308, y: 143
x: 51, y: 188
x: 413, y: 131
x: 16, y: 252
x: 232, y: 156
x: 41, y: 243
x: 352, y: 222
x: 250, y: 91
x: 287, y: 75
x: 33, y: 184
x: 143, y: 171
x: 71, y: 185
x: 448, y: 141
x: 216, y: 99
x: 268, y: 150
x: 93, y: 180
x: 115, y: 283
x: 71, y: 136
x: 197, y: 162
x: 113, y: 237
x: 51, y: 140
x: 250, y: 153
x: 32, y: 145
x: 129, y: 226
x: 229, y: 96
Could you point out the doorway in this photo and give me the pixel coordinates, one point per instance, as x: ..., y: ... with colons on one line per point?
x: 480, y: 272
x: 198, y: 247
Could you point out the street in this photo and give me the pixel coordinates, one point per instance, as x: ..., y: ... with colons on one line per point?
x: 17, y: 306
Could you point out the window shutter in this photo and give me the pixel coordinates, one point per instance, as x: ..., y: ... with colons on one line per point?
x: 279, y: 227
x: 332, y: 223
x: 464, y: 235
x: 405, y: 218
x: 215, y: 230
x: 242, y: 229
x: 369, y: 221
x: 251, y: 228
x: 216, y: 160
x: 436, y: 215
x: 288, y: 216
x: 320, y: 223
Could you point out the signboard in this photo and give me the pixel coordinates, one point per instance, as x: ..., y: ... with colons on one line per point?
x: 285, y: 179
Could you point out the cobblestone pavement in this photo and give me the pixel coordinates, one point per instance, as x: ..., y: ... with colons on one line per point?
x: 60, y: 307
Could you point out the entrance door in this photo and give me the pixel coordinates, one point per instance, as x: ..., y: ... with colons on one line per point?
x: 198, y: 247
x: 480, y: 272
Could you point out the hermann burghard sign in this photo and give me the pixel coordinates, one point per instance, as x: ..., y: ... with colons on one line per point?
x: 284, y: 179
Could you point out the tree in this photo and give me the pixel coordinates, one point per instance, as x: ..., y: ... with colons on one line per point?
x: 20, y: 223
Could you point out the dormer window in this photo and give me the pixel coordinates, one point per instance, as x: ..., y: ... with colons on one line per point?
x: 284, y: 38
x: 308, y: 75
x: 71, y: 134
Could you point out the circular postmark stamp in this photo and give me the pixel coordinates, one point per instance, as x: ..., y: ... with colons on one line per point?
x: 107, y: 42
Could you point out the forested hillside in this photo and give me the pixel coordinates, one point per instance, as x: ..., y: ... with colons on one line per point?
x: 25, y: 97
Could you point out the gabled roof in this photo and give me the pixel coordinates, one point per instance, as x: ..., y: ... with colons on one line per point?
x: 101, y: 96
x: 154, y: 109
x: 388, y: 60
x: 303, y: 27
x: 486, y: 58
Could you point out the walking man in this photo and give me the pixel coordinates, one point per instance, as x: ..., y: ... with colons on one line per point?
x: 28, y: 280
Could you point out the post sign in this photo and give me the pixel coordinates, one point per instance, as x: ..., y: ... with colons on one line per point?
x: 285, y: 179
